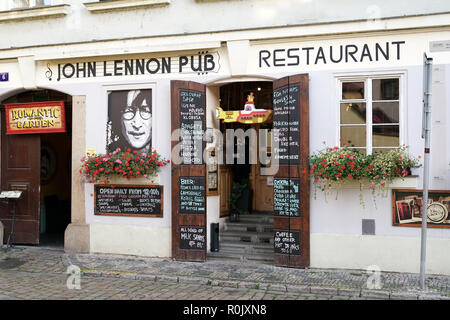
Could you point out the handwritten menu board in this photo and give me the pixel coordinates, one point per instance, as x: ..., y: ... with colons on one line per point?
x: 287, y: 242
x: 286, y: 200
x: 192, y: 126
x: 129, y: 200
x: 192, y: 195
x: 192, y: 238
x: 286, y: 117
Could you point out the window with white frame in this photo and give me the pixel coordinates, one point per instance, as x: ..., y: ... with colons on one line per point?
x: 369, y: 113
x: 22, y: 4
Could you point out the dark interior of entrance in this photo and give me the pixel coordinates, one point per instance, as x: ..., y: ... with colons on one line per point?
x: 258, y: 194
x: 54, y: 176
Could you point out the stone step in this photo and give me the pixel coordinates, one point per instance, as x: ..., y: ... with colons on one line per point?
x: 248, y: 226
x: 261, y: 218
x: 246, y: 247
x: 246, y: 236
x: 230, y: 255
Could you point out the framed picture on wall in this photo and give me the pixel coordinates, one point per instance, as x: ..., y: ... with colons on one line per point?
x: 212, y: 172
x: 129, y: 123
x: 407, y: 208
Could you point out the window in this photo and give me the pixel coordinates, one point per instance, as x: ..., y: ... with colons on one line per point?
x: 21, y: 4
x: 369, y: 113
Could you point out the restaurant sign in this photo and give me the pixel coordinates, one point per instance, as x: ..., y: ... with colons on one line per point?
x: 35, y: 117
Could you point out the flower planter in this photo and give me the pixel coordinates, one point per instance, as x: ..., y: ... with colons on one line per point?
x: 408, y: 182
x: 138, y: 181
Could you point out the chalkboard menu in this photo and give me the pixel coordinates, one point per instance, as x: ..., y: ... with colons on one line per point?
x: 129, y: 200
x: 287, y: 242
x: 192, y: 125
x: 286, y: 199
x: 192, y: 238
x: 286, y: 117
x: 192, y: 195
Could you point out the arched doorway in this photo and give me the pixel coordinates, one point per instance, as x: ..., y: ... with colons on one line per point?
x: 39, y: 164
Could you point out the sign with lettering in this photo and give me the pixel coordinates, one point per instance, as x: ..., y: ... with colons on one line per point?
x: 192, y: 238
x: 286, y: 120
x: 4, y: 76
x: 35, y: 117
x: 192, y: 125
x: 201, y: 62
x: 192, y: 195
x: 286, y: 200
x: 331, y: 54
x: 287, y: 242
x: 129, y: 200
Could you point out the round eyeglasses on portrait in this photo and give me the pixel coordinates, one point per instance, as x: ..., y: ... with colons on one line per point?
x: 130, y: 112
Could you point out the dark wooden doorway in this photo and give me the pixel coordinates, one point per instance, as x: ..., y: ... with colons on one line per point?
x: 188, y: 175
x: 291, y: 187
x: 21, y: 169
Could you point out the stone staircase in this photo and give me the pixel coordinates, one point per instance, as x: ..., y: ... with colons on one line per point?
x: 250, y: 239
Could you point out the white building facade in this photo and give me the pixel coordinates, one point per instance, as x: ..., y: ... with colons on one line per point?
x: 84, y: 50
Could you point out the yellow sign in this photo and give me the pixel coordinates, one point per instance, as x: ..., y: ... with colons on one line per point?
x: 35, y: 117
x: 249, y: 115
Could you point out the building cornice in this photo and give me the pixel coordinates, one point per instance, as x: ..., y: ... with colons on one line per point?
x: 34, y: 13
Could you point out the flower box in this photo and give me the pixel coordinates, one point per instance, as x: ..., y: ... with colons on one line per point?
x: 408, y: 182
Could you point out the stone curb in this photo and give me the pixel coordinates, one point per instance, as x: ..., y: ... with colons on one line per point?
x: 348, y: 292
x: 375, y: 294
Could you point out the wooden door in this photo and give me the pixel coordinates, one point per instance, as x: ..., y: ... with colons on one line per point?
x: 20, y: 156
x: 291, y: 188
x: 188, y: 173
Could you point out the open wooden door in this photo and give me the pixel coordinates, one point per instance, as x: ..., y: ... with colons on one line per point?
x: 291, y: 187
x: 20, y: 156
x: 189, y: 173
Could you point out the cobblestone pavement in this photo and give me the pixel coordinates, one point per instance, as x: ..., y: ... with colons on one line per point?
x: 37, y: 273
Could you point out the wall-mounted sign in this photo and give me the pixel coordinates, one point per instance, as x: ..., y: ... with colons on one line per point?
x: 201, y: 62
x: 192, y: 125
x: 35, y: 117
x: 407, y: 207
x: 287, y: 242
x: 192, y: 238
x: 249, y: 115
x: 331, y: 54
x: 4, y: 76
x: 286, y: 118
x: 286, y: 199
x: 192, y: 195
x: 129, y: 200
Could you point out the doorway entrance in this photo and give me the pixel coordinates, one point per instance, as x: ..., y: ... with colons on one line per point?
x: 39, y: 164
x: 248, y: 171
x: 246, y: 192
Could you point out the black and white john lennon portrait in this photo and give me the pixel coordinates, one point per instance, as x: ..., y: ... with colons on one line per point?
x: 129, y: 120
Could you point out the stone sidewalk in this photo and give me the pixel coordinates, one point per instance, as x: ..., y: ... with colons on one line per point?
x: 216, y: 273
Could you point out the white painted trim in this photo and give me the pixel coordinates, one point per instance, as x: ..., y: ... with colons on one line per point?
x: 105, y: 6
x: 34, y: 13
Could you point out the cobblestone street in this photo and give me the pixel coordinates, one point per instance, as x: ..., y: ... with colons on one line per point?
x: 52, y: 286
x: 36, y: 273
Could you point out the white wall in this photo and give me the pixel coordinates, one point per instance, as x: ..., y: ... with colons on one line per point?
x: 196, y: 16
x: 335, y: 224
